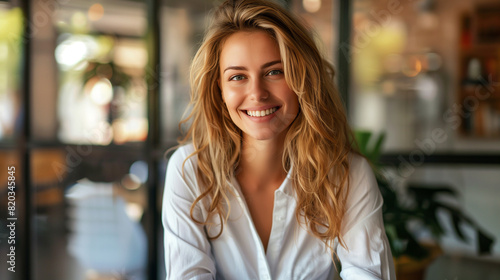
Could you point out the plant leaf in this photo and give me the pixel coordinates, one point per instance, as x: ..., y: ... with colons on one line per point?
x: 484, y: 243
x: 377, y: 149
x: 456, y: 226
x: 362, y: 138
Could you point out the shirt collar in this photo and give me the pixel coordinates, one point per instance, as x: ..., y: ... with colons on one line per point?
x: 287, y: 186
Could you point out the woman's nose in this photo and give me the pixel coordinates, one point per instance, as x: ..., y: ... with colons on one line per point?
x: 258, y: 90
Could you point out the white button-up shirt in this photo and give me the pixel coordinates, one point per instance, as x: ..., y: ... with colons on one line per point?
x: 292, y: 252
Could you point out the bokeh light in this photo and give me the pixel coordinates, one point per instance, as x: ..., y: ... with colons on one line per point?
x: 140, y: 169
x: 96, y: 12
x: 102, y: 92
x: 311, y: 6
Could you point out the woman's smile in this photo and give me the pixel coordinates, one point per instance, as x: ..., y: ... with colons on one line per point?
x: 261, y: 112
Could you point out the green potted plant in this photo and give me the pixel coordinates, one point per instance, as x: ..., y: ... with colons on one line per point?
x: 420, y: 205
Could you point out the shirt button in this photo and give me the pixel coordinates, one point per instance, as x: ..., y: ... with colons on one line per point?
x: 279, y: 218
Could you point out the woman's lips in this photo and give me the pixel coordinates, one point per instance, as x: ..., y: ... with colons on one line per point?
x: 262, y: 118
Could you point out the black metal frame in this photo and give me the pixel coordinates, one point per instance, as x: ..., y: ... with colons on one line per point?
x: 343, y: 74
x: 24, y: 144
x: 152, y: 150
x: 153, y: 140
x: 395, y: 159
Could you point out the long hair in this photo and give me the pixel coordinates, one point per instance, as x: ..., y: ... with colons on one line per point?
x: 317, y: 144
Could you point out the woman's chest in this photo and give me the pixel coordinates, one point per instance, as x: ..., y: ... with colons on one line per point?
x: 292, y: 253
x: 260, y: 206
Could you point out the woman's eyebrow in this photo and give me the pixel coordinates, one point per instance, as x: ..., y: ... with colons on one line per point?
x: 265, y: 65
x: 271, y: 63
x: 235, y: 68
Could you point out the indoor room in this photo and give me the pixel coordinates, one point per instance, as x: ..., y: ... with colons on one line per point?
x: 92, y: 94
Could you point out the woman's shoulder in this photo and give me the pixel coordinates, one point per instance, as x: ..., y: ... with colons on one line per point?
x: 181, y: 172
x: 182, y: 161
x: 358, y: 164
x: 182, y: 153
x: 362, y: 179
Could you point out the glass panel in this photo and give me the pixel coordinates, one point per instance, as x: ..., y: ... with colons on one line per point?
x: 427, y: 74
x: 89, y: 206
x: 101, y: 57
x: 13, y: 218
x: 90, y: 90
x: 182, y: 24
x: 11, y: 32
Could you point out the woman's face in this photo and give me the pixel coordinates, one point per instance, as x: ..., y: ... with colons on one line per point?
x: 253, y: 86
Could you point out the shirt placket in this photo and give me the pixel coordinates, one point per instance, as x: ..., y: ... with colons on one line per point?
x: 277, y: 230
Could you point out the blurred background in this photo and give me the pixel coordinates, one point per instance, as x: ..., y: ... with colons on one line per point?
x: 91, y: 93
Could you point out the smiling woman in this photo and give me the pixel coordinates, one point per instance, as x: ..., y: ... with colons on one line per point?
x: 266, y: 183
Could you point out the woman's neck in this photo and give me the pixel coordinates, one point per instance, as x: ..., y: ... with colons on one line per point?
x: 261, y: 164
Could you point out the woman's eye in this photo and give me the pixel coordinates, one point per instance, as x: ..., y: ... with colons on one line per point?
x: 274, y: 72
x: 236, y: 78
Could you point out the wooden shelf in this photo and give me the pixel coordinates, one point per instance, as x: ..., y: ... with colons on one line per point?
x: 479, y: 96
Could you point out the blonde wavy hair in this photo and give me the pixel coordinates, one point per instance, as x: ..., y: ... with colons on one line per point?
x: 317, y: 144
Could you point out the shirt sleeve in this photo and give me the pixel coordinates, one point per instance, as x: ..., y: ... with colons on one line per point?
x: 368, y: 254
x: 187, y: 249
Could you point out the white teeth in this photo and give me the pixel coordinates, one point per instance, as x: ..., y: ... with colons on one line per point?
x: 262, y: 113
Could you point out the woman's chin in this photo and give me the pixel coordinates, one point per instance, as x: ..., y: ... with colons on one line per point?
x: 263, y: 135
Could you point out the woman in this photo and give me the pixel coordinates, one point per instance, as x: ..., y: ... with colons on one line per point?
x: 267, y: 184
